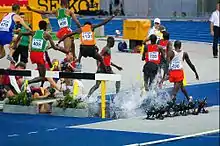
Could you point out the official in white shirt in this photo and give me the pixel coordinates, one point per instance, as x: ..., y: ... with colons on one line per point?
x: 154, y: 30
x: 214, y: 27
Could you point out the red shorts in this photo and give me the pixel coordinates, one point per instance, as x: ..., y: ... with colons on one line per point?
x: 63, y: 31
x: 176, y: 76
x: 37, y: 57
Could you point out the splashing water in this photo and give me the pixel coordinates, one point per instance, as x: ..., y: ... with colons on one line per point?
x: 130, y: 103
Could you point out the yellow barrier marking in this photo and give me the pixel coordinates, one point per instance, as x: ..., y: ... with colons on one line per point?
x: 103, y: 102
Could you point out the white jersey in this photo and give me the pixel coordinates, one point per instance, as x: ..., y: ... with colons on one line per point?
x: 7, y: 23
x: 177, y: 61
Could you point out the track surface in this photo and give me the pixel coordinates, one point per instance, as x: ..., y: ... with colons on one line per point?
x: 46, y: 130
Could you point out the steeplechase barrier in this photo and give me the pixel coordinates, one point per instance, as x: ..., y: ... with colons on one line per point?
x: 57, y: 74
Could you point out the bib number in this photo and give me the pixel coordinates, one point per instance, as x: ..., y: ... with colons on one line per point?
x: 4, y: 24
x: 175, y: 65
x: 37, y: 43
x: 87, y: 36
x: 63, y: 22
x: 153, y: 55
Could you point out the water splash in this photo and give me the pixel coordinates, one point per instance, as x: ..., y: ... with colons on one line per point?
x: 130, y: 103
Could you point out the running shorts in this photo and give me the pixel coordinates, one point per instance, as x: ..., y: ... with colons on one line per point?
x: 63, y: 31
x: 38, y: 58
x: 176, y: 76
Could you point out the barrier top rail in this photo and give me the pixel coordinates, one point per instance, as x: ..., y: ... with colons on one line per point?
x: 58, y: 74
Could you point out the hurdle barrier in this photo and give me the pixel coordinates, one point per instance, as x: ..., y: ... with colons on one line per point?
x: 57, y: 74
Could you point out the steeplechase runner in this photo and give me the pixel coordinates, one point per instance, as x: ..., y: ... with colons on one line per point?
x: 7, y: 25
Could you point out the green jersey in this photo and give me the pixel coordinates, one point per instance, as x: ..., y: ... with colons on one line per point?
x: 63, y: 19
x: 39, y: 44
x: 24, y: 39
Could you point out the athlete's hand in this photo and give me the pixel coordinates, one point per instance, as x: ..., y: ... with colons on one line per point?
x: 119, y: 68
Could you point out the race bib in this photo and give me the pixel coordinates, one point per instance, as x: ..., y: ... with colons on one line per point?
x: 63, y: 22
x: 37, y: 43
x: 87, y: 36
x: 153, y: 55
x: 175, y: 65
x: 5, y: 24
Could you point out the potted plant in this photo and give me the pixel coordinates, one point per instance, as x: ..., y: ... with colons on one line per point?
x: 70, y: 106
x: 20, y: 103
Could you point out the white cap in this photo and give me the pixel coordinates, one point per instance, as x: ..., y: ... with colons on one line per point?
x: 157, y: 20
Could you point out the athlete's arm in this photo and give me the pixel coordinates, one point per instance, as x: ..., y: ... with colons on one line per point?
x: 144, y: 52
x: 41, y: 11
x: 188, y: 61
x: 169, y: 46
x: 103, y: 22
x: 48, y: 37
x: 78, y: 31
x: 17, y: 18
x: 19, y: 37
x: 162, y: 52
x: 72, y: 14
x: 116, y: 66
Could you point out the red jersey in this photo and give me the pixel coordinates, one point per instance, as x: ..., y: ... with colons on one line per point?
x: 153, y: 54
x: 164, y: 43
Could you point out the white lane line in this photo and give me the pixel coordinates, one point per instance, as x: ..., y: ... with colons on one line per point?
x: 34, y: 132
x: 52, y: 129
x: 13, y: 135
x: 174, y: 138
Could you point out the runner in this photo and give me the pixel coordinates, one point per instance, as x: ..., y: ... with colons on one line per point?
x: 38, y: 49
x: 88, y: 46
x: 167, y: 46
x: 63, y: 15
x: 7, y: 25
x: 106, y: 54
x: 176, y: 75
x: 24, y: 44
x: 152, y: 56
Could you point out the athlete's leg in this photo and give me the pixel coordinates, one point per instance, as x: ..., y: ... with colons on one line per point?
x: 183, y: 89
x: 73, y: 47
x: 117, y: 86
x: 67, y: 44
x: 94, y: 88
x: 42, y: 73
x: 175, y: 90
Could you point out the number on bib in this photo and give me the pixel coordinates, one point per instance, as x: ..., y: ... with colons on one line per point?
x: 63, y: 22
x: 87, y: 36
x: 4, y: 24
x: 37, y: 43
x: 153, y: 55
x: 175, y: 65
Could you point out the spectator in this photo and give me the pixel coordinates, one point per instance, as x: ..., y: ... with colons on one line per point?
x: 214, y: 27
x: 12, y: 84
x: 155, y: 30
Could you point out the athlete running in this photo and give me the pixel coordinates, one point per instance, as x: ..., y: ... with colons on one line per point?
x: 176, y: 75
x: 152, y: 56
x: 63, y: 15
x: 7, y: 25
x: 167, y: 46
x: 106, y: 54
x: 88, y: 46
x: 38, y: 49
